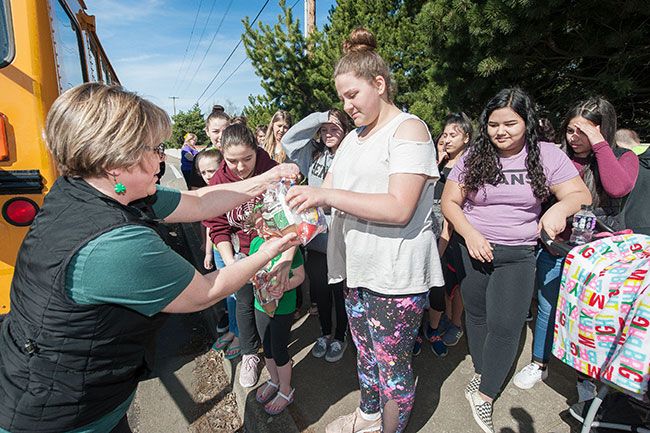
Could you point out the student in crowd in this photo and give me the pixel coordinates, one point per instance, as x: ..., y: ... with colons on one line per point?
x: 493, y: 198
x: 208, y: 162
x: 277, y: 393
x: 314, y: 157
x: 278, y: 126
x: 443, y: 330
x: 381, y: 187
x: 232, y: 236
x: 610, y: 173
x: 260, y: 134
x: 188, y: 152
x: 215, y: 123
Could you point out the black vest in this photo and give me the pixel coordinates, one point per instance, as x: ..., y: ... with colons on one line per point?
x: 64, y: 365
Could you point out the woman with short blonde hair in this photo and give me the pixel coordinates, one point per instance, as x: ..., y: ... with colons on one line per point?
x: 93, y: 273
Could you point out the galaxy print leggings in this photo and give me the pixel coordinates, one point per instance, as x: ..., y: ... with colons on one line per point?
x: 383, y: 330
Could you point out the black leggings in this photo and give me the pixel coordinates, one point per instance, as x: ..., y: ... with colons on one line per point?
x: 248, y: 339
x: 496, y: 296
x: 275, y: 332
x: 326, y: 295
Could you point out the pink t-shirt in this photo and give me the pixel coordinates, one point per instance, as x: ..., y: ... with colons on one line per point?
x: 508, y: 213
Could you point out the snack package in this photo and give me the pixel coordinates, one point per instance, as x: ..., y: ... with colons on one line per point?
x: 262, y: 280
x: 279, y: 218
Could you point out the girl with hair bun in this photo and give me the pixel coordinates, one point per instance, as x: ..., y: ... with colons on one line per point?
x: 381, y: 242
x: 216, y: 122
x: 493, y: 199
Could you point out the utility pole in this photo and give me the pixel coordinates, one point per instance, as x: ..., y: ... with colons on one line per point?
x: 174, y: 98
x: 310, y: 17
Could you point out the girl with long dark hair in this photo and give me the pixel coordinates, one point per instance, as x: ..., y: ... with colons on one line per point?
x: 610, y: 173
x: 493, y: 198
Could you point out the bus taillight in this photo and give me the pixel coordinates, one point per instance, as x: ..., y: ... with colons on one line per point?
x: 20, y: 211
x: 4, y: 141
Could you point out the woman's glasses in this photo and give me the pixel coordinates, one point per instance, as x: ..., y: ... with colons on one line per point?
x: 159, y: 150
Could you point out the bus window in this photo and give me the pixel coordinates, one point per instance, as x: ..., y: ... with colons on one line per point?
x: 67, y: 47
x: 108, y: 78
x: 7, y: 50
x: 93, y: 60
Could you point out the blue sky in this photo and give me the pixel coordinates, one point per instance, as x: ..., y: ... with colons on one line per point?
x: 147, y: 43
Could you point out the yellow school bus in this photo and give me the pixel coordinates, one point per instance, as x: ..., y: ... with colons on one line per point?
x: 46, y: 47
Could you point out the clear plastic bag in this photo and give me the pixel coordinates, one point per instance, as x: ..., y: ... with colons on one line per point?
x: 280, y: 219
x: 262, y: 281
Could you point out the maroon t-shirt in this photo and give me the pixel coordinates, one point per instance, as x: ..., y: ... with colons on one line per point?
x: 233, y: 221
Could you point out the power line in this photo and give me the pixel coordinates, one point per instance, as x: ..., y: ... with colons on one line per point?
x: 230, y: 55
x: 226, y: 80
x: 294, y: 4
x: 196, y: 17
x: 209, y: 46
x: 196, y: 47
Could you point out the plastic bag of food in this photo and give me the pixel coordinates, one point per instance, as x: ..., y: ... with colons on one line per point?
x: 262, y: 281
x: 279, y: 218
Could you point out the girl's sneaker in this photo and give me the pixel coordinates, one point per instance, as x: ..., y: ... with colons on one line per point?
x: 482, y: 412
x: 472, y: 386
x: 320, y: 347
x: 438, y: 346
x: 530, y: 375
x: 335, y: 351
x: 452, y: 335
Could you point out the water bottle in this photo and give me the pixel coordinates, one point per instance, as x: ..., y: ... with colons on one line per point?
x: 584, y: 223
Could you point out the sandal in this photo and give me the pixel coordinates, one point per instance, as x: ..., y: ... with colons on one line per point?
x: 261, y: 395
x: 222, y: 342
x: 232, y: 352
x: 287, y: 398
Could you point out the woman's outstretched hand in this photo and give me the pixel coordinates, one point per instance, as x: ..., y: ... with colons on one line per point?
x: 274, y: 246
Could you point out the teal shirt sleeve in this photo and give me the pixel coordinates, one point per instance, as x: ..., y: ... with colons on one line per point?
x: 167, y: 200
x: 129, y: 266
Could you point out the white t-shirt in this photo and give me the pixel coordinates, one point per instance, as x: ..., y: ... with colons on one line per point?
x: 387, y: 259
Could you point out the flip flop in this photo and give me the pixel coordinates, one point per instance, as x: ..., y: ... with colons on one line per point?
x: 232, y: 352
x: 287, y: 398
x: 222, y: 342
x: 261, y: 395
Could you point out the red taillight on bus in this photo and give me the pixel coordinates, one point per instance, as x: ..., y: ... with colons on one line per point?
x: 20, y: 211
x: 4, y: 141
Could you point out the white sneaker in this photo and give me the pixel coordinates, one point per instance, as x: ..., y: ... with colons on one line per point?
x: 249, y: 373
x: 586, y: 390
x: 530, y: 375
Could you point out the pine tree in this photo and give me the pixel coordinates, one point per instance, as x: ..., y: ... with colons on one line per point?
x: 188, y: 121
